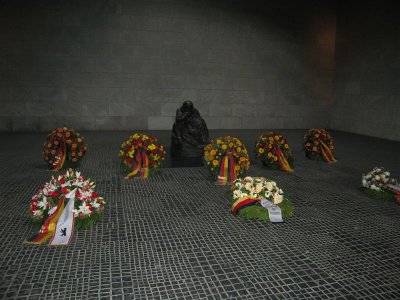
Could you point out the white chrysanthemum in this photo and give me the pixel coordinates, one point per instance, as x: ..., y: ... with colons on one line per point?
x: 269, y: 186
x: 236, y: 194
x: 278, y: 198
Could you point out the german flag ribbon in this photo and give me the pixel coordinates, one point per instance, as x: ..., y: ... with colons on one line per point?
x: 326, y: 152
x: 227, y: 172
x: 243, y: 202
x: 144, y: 171
x: 61, y: 157
x: 141, y: 165
x: 48, y: 227
x: 283, y: 163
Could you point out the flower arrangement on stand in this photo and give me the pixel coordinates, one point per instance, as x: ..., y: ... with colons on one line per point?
x: 63, y: 148
x: 49, y: 201
x: 141, y: 156
x: 245, y: 195
x: 378, y: 184
x: 226, y: 158
x: 274, y: 152
x: 318, y: 144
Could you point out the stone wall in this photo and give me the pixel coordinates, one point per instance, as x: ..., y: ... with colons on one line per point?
x: 114, y: 64
x: 367, y: 76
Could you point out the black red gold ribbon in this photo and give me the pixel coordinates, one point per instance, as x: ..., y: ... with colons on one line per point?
x: 141, y: 165
x: 60, y: 159
x: 326, y: 152
x: 227, y: 169
x: 283, y: 163
x: 48, y: 227
x: 243, y: 202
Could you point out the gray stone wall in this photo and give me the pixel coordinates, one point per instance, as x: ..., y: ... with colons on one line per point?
x: 124, y: 64
x: 367, y: 77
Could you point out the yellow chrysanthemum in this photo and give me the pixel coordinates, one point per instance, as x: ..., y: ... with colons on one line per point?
x: 261, y: 150
x: 215, y: 162
x: 219, y: 141
x: 223, y: 147
x: 151, y: 147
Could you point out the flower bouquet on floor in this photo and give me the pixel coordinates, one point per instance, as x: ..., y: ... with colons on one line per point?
x: 63, y: 148
x: 274, y: 152
x: 318, y: 145
x: 246, y: 197
x: 378, y: 184
x: 49, y: 203
x: 141, y: 156
x: 226, y: 159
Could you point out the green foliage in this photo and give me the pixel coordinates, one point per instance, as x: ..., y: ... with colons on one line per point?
x: 80, y: 224
x: 257, y: 212
x: 381, y: 195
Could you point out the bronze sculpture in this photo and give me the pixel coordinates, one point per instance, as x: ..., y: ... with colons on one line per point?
x: 189, y: 132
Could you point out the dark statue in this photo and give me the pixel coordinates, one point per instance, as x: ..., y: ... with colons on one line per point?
x: 189, y: 133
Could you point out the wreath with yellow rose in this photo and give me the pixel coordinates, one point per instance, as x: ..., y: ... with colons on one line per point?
x: 226, y: 158
x: 141, y: 156
x: 274, y: 152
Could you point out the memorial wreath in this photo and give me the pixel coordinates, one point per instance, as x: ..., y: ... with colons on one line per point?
x: 378, y: 184
x: 48, y: 204
x: 318, y: 144
x: 63, y: 148
x: 274, y: 152
x: 141, y: 156
x: 246, y: 197
x: 226, y: 159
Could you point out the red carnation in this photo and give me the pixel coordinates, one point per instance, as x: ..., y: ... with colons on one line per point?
x: 64, y: 190
x: 55, y: 195
x: 94, y: 195
x: 152, y: 162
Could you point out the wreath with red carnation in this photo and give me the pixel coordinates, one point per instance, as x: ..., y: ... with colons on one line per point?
x: 318, y: 145
x: 63, y: 148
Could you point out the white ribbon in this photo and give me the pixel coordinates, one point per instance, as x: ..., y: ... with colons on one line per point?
x: 274, y: 211
x: 393, y: 187
x: 65, y: 224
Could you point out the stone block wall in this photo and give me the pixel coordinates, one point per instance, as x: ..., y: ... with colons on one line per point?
x: 124, y: 64
x: 367, y: 72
